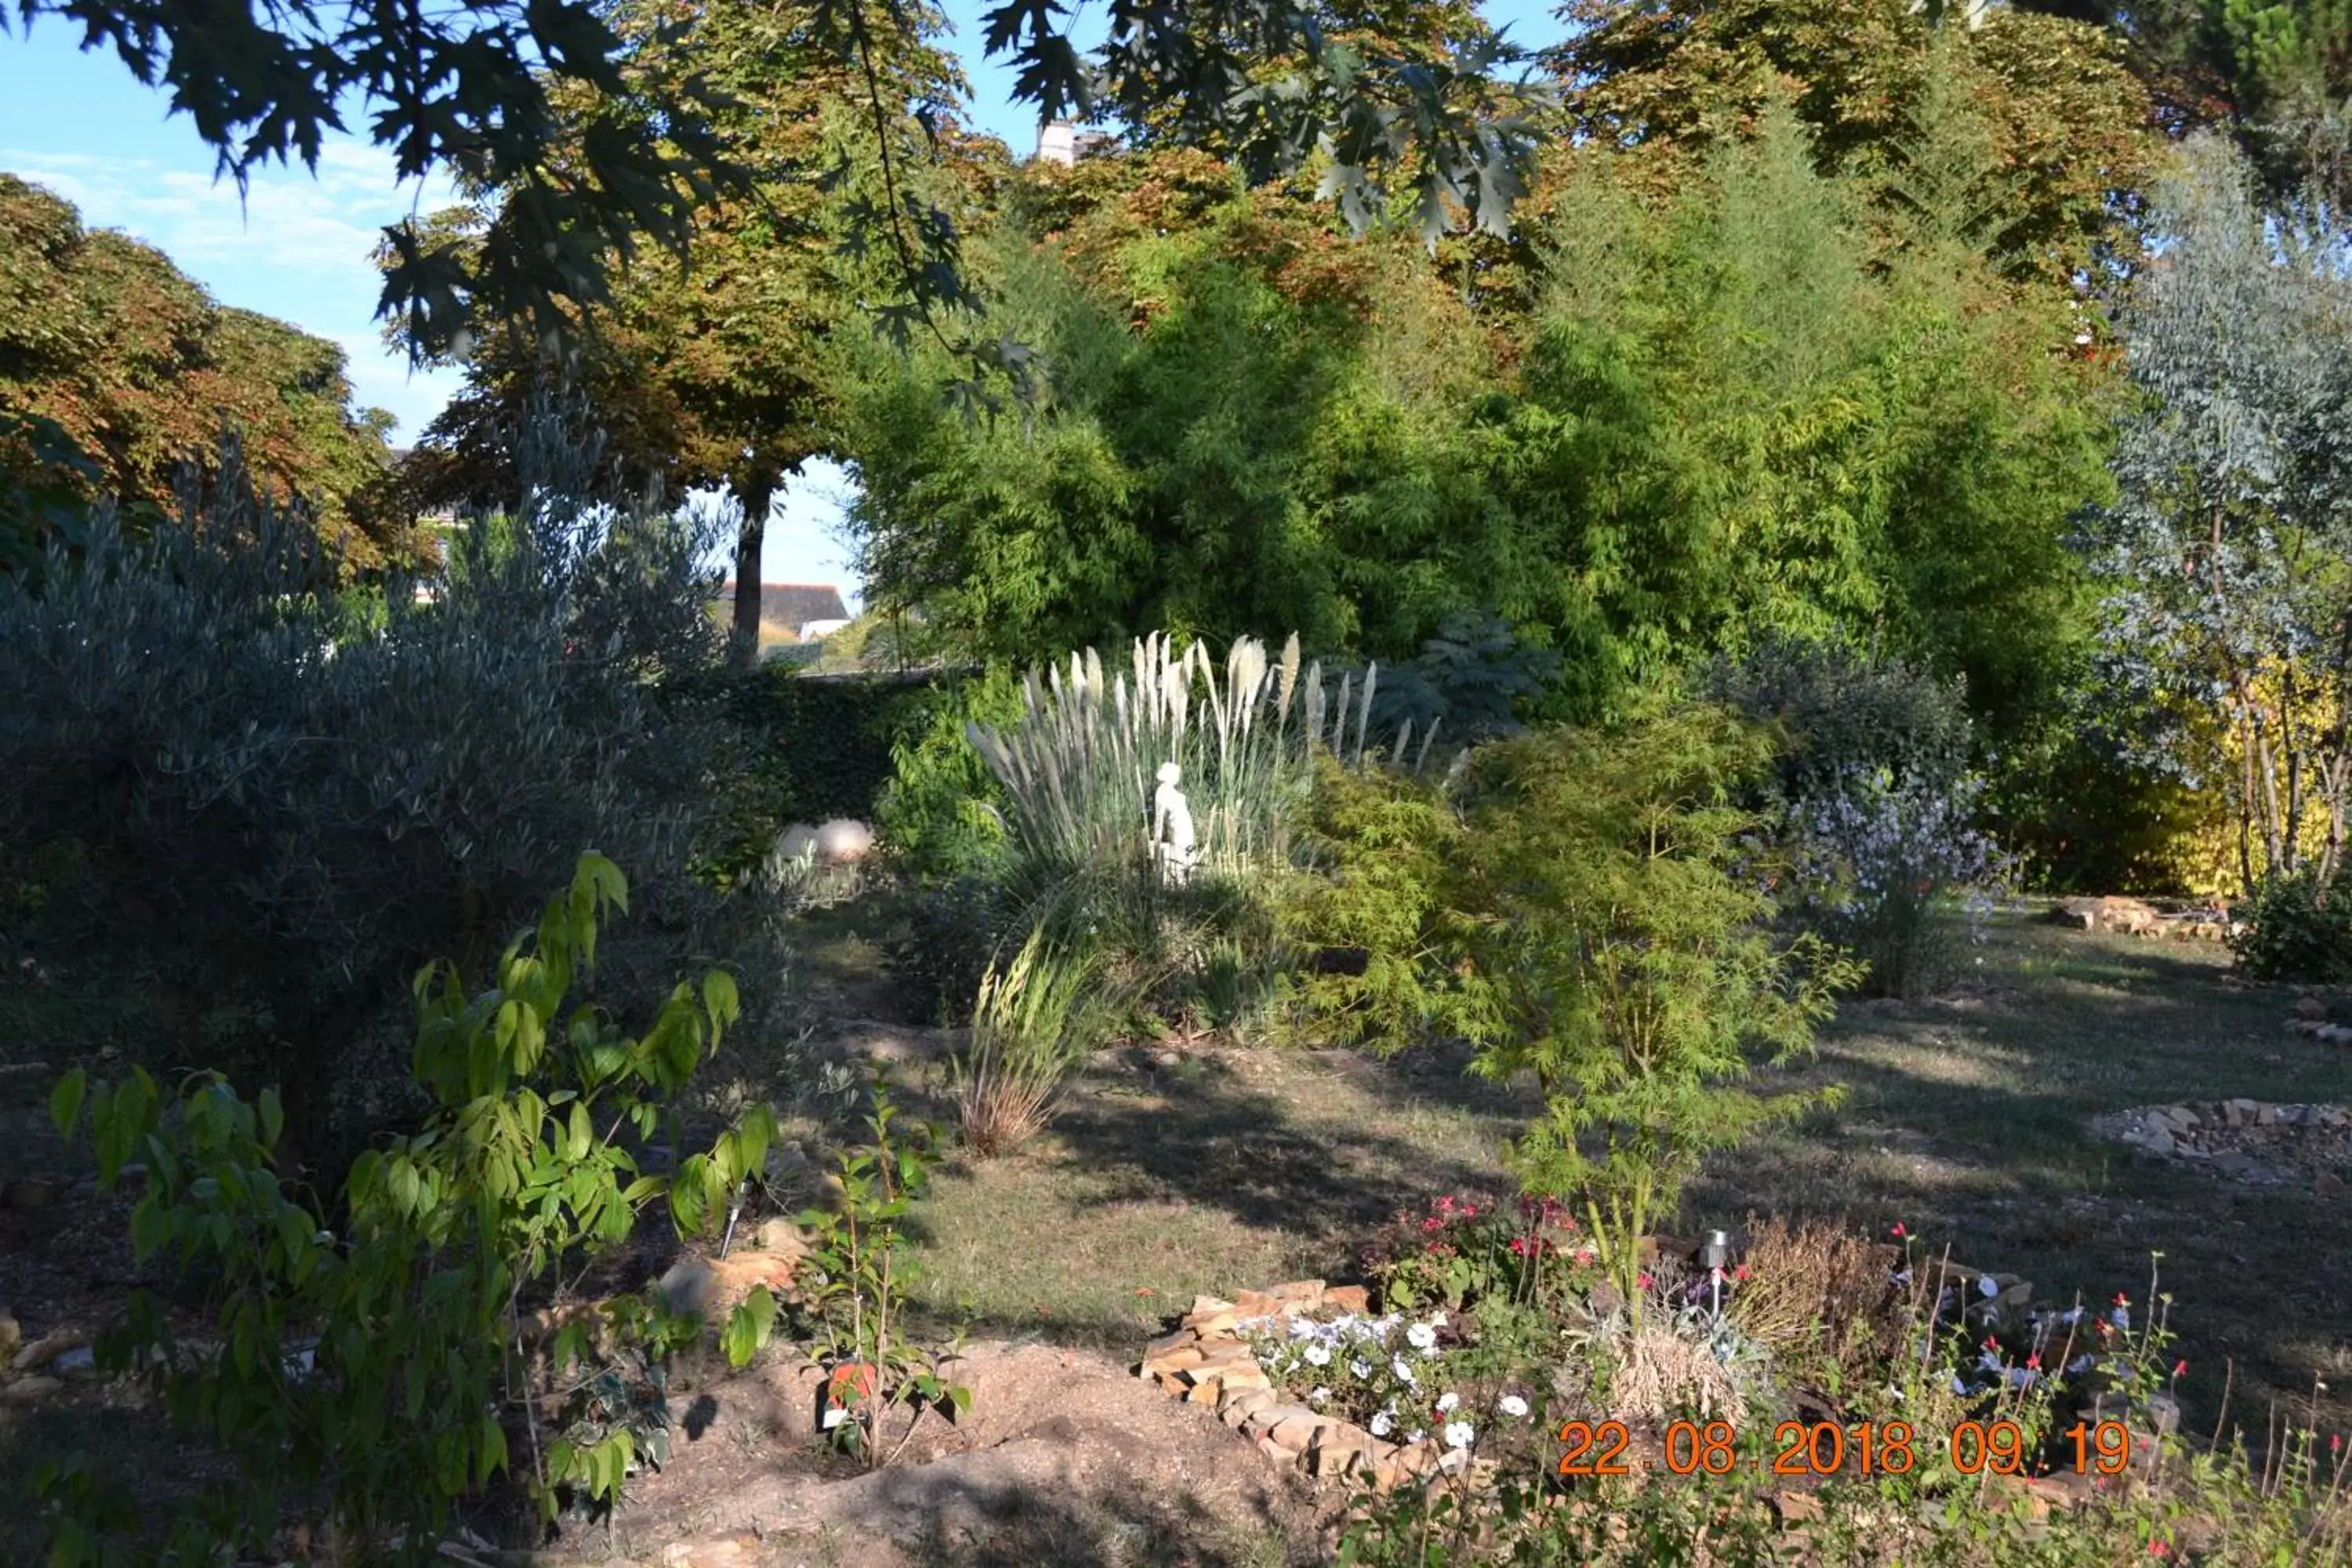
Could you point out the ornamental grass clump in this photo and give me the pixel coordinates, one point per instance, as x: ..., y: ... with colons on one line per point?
x: 1036, y: 1020
x: 1078, y: 767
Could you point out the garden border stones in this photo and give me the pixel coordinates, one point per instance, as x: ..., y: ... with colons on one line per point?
x: 2257, y: 1142
x: 1207, y: 1362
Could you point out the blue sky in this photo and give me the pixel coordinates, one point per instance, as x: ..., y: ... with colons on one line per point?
x: 82, y: 125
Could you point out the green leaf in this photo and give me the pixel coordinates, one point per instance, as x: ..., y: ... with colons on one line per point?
x: 273, y: 1118
x: 65, y: 1101
x: 749, y: 1325
x: 720, y: 998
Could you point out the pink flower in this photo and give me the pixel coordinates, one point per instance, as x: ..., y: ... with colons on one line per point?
x: 2034, y: 1362
x: 1740, y: 1272
x: 1643, y: 1279
x: 1898, y: 1232
x: 2178, y: 1367
x: 2122, y: 1300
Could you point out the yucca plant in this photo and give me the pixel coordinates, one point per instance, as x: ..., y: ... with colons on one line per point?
x: 1077, y: 766
x: 1036, y: 1020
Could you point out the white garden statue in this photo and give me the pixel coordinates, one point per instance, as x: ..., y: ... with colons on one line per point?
x: 1172, y: 827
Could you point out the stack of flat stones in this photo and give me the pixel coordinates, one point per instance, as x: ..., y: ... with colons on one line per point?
x: 1208, y: 1362
x: 2249, y: 1141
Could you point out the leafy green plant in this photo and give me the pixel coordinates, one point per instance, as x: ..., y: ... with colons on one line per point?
x: 938, y: 814
x: 858, y: 1293
x: 1036, y: 1019
x: 386, y: 1368
x: 2296, y: 927
x: 1615, y: 954
x: 1574, y: 908
x: 306, y: 799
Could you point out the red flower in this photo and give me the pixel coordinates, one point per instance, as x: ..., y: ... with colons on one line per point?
x: 2158, y: 1549
x: 2034, y: 1362
x: 1898, y: 1232
x: 2178, y: 1367
x: 1991, y: 1343
x: 1740, y: 1272
x: 2335, y: 1444
x: 2122, y: 1300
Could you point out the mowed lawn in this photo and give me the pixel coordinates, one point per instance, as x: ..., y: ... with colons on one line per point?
x: 1174, y: 1171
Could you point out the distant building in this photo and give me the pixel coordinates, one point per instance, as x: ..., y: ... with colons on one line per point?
x: 1062, y: 141
x: 786, y: 607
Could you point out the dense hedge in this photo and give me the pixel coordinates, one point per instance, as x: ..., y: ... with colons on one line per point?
x: 825, y: 740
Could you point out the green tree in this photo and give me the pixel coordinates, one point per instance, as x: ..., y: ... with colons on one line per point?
x: 130, y: 359
x: 473, y: 90
x: 710, y: 374
x: 1669, y: 80
x: 2228, y: 553
x: 1575, y: 908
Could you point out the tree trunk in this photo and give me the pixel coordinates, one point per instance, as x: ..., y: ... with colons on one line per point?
x: 756, y: 492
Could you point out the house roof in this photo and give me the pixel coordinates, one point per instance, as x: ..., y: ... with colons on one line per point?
x: 794, y: 603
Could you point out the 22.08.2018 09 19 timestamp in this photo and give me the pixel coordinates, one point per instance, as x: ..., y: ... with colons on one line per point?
x: 1827, y: 1448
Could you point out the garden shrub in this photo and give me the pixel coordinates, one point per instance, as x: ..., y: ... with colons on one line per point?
x: 1894, y: 873
x: 2296, y: 928
x: 1574, y: 907
x: 1872, y: 808
x: 939, y: 811
x: 379, y: 1355
x: 297, y: 799
x: 943, y: 938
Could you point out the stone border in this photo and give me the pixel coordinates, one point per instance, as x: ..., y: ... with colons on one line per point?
x: 2198, y: 1134
x: 1207, y: 1362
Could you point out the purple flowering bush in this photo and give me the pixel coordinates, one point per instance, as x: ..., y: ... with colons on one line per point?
x: 1896, y: 871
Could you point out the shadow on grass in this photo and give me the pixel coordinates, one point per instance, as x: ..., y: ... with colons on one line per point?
x: 1967, y: 1120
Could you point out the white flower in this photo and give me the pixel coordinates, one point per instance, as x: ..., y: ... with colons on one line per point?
x: 1302, y: 1329
x: 1415, y: 1436
x: 1512, y: 1405
x: 1403, y: 1369
x: 1959, y: 1384
x: 1360, y: 1367
x: 1318, y: 1396
x: 1437, y: 1320
x: 1319, y: 1355
x: 1382, y: 1424
x: 1446, y: 1402
x: 1459, y: 1433
x: 1421, y: 1337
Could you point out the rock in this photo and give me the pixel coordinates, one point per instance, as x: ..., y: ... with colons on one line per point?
x: 1173, y: 1363
x: 25, y: 1390
x: 715, y: 1287
x: 2264, y: 1115
x: 843, y: 841
x: 2127, y: 915
x: 1298, y: 1433
x: 780, y: 1235
x: 2328, y: 1187
x: 1339, y: 1449
x: 11, y: 1336
x: 736, y: 1549
x: 1797, y: 1508
x: 1301, y: 1290
x: 1266, y: 1417
x: 1348, y: 1299
x: 2310, y: 1007
x: 79, y: 1361
x: 47, y: 1348
x: 2157, y: 1143
x: 1202, y: 1388
x: 1202, y: 1306
x: 1240, y: 1404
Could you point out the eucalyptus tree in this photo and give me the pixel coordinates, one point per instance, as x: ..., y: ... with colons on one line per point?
x: 2229, y: 550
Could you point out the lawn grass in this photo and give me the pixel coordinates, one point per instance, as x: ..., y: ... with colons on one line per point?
x: 1965, y: 1120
